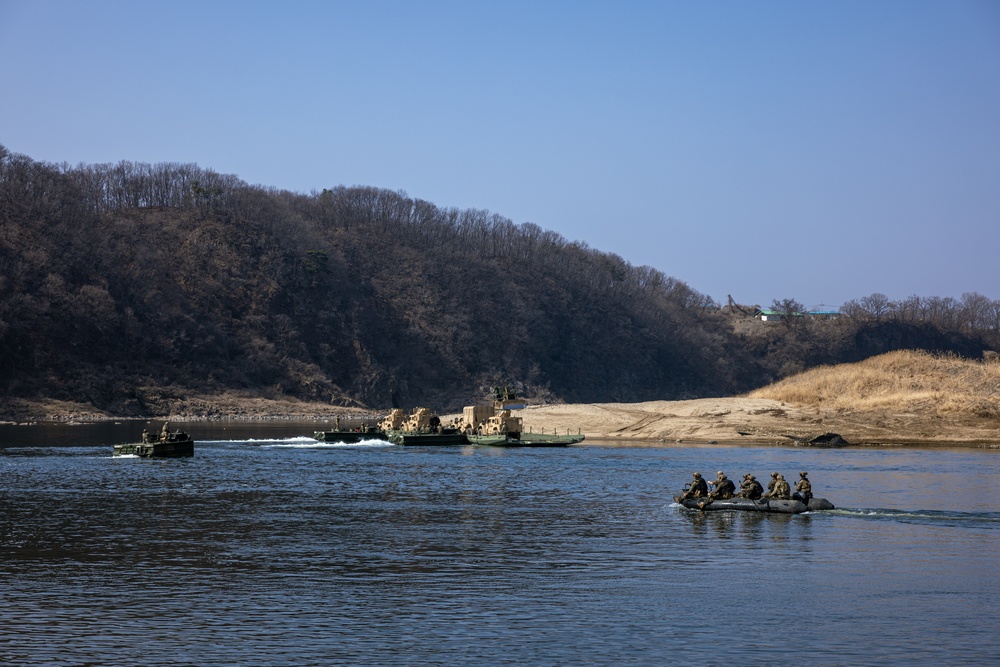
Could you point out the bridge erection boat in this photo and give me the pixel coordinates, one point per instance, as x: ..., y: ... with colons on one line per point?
x: 349, y: 437
x: 349, y: 433
x: 174, y: 445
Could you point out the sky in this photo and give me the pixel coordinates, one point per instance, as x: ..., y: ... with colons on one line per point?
x: 768, y: 149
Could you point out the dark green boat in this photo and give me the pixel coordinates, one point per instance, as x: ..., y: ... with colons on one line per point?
x: 445, y: 436
x: 176, y: 445
x: 526, y: 440
x: 349, y: 437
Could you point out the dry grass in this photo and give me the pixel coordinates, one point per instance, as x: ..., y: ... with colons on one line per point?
x: 900, y: 382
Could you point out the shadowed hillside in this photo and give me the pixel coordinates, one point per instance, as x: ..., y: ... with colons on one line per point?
x: 127, y: 286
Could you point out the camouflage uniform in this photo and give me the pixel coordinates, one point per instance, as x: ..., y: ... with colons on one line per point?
x: 751, y: 488
x: 770, y: 485
x: 724, y: 487
x: 803, y: 488
x: 781, y: 489
x: 698, y: 488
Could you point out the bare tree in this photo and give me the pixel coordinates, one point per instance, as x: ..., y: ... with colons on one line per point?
x: 877, y: 305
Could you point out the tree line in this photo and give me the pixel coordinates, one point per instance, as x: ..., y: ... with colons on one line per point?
x: 971, y: 313
x: 124, y: 284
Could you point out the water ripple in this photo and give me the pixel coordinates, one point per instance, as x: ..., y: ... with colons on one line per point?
x: 280, y: 551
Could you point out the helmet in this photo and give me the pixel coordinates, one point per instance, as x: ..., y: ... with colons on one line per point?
x: 803, y: 474
x: 697, y: 474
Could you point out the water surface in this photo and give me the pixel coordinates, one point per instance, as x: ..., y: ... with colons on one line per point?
x: 268, y: 548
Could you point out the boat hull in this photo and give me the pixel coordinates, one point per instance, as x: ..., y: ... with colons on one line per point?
x: 526, y: 440
x: 348, y: 437
x: 170, y: 449
x: 762, y: 505
x: 412, y: 438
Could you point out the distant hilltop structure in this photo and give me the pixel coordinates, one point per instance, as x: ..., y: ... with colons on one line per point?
x: 820, y: 312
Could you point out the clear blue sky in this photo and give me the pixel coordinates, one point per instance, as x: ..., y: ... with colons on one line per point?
x: 821, y: 151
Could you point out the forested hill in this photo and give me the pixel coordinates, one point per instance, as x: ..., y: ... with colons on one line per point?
x: 124, y: 283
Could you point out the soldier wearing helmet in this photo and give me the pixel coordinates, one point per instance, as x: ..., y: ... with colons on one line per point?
x: 803, y: 488
x: 750, y: 487
x: 770, y: 485
x: 781, y: 490
x: 697, y: 488
x: 724, y: 489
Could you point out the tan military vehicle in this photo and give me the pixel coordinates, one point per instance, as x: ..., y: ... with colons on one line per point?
x: 495, y: 419
x: 421, y: 421
x: 473, y: 416
x: 501, y: 423
x: 422, y: 427
x: 393, y: 421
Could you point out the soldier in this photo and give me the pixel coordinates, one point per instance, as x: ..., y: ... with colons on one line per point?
x: 781, y: 489
x: 145, y: 435
x: 803, y: 488
x: 750, y: 488
x: 696, y: 489
x: 724, y: 489
x: 743, y: 483
x: 165, y: 432
x: 770, y: 485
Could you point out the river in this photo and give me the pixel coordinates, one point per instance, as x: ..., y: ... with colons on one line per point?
x: 268, y: 548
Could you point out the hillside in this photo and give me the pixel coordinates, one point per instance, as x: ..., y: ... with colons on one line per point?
x: 131, y: 289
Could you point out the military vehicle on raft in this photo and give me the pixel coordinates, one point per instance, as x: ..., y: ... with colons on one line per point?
x: 420, y: 428
x: 491, y: 424
x: 495, y: 425
x: 172, y: 444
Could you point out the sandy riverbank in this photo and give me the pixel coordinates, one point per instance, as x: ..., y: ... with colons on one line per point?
x: 709, y: 420
x: 899, y: 398
x: 756, y: 421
